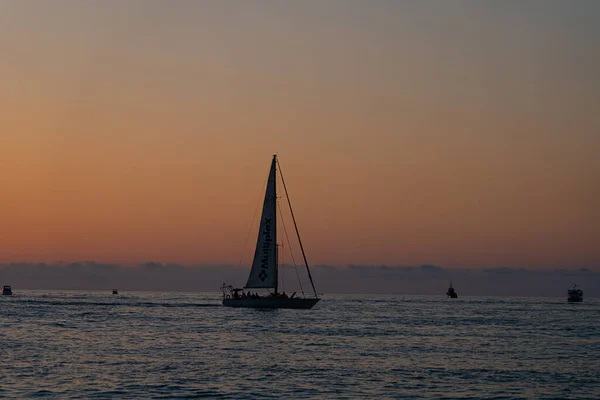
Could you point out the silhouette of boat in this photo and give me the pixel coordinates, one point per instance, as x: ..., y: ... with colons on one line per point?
x: 264, y: 269
x: 575, y: 295
x: 115, y: 291
x: 451, y: 293
x: 6, y: 290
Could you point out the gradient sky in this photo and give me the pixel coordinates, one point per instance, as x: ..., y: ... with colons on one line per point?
x: 456, y: 133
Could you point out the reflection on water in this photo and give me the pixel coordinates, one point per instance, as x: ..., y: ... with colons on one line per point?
x: 147, y: 345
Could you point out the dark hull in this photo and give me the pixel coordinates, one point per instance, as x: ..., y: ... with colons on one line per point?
x: 271, y: 303
x: 575, y: 295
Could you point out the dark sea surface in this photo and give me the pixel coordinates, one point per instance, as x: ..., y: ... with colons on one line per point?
x: 186, y: 345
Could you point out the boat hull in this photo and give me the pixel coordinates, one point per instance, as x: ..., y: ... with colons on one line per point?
x: 271, y: 303
x: 575, y: 296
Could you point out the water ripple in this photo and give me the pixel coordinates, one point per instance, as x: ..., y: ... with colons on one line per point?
x: 85, y: 345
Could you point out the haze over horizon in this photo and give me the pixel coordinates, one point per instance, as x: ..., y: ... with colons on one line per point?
x: 459, y: 134
x: 354, y: 279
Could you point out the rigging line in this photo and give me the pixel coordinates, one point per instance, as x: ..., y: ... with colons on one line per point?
x: 297, y: 232
x: 291, y: 252
x: 279, y: 255
x: 279, y: 260
x: 280, y: 271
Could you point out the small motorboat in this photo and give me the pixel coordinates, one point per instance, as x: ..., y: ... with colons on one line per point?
x: 451, y: 293
x: 115, y: 291
x: 6, y: 290
x: 575, y: 295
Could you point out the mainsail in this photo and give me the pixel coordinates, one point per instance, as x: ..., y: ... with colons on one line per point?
x: 264, y: 266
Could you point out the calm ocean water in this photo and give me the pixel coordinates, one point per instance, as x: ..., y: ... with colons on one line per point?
x: 185, y: 345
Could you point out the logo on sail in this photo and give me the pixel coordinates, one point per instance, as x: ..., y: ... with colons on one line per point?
x: 266, y: 247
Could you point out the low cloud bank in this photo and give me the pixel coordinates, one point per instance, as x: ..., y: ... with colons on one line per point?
x: 426, y: 279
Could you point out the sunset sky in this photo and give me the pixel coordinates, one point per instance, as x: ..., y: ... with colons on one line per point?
x: 457, y: 133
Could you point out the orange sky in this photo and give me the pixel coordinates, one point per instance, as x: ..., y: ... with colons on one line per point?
x: 459, y: 134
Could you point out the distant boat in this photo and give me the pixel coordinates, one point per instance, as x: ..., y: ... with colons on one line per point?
x: 451, y: 293
x: 115, y: 291
x: 264, y: 270
x: 6, y: 290
x: 575, y: 295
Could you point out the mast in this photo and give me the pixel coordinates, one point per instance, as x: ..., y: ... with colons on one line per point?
x: 274, y: 169
x: 296, y: 227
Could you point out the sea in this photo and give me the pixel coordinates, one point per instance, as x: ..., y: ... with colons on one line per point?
x: 139, y: 345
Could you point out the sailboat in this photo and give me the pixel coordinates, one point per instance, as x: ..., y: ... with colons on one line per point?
x: 575, y: 295
x: 451, y: 293
x: 265, y: 268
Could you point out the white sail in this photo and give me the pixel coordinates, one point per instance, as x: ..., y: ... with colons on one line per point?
x: 264, y: 266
